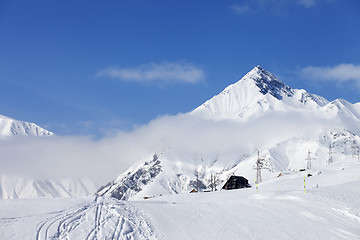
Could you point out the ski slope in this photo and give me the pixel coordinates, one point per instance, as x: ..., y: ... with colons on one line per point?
x: 280, y: 210
x: 329, y: 209
x: 72, y: 218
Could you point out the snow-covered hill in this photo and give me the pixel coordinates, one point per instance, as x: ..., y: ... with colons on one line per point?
x: 11, y: 127
x: 20, y: 187
x: 16, y: 187
x: 257, y: 95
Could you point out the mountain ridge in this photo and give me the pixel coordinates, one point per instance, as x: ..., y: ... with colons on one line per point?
x: 12, y: 127
x: 268, y: 83
x: 259, y: 91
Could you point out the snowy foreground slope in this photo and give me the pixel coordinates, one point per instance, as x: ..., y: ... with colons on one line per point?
x: 257, y: 113
x: 329, y: 209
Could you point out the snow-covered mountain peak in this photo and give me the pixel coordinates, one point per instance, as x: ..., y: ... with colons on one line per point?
x: 257, y: 92
x: 12, y: 127
x: 5, y: 117
x: 268, y: 83
x: 342, y: 108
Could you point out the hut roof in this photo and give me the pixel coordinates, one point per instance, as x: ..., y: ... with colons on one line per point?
x: 236, y: 182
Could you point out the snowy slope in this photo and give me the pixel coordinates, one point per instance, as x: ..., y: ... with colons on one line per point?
x: 11, y: 127
x: 73, y: 218
x: 131, y: 182
x: 342, y: 108
x: 257, y: 94
x: 280, y: 209
x: 357, y: 107
x: 12, y: 187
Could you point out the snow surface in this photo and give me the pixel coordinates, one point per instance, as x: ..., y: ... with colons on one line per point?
x: 280, y: 210
x: 259, y: 92
x: 329, y: 209
x: 256, y: 93
x: 12, y: 127
x: 14, y: 187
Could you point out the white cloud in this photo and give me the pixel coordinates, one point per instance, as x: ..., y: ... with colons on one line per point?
x: 307, y: 3
x: 341, y: 73
x: 278, y: 6
x: 163, y: 73
x: 242, y: 9
x: 105, y: 159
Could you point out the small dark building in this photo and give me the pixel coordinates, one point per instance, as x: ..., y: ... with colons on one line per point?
x: 236, y: 182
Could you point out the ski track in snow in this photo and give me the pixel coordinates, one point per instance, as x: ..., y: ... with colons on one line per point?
x: 98, y: 219
x: 280, y: 210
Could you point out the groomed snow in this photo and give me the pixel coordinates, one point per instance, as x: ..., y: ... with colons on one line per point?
x: 329, y: 209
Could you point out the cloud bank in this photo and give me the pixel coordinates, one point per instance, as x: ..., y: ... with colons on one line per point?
x: 341, y: 73
x: 158, y: 73
x: 105, y: 159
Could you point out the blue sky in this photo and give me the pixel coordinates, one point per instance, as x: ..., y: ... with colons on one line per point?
x: 88, y: 67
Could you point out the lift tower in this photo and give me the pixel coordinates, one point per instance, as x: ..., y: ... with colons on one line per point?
x: 258, y: 168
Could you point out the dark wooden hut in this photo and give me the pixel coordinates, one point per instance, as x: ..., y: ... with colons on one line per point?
x: 236, y: 182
